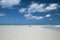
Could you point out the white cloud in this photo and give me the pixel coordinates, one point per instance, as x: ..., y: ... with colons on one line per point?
x: 30, y: 16
x: 9, y: 3
x: 22, y: 10
x: 52, y: 6
x: 39, y: 18
x: 1, y: 14
x: 36, y: 17
x: 35, y: 7
x: 48, y: 15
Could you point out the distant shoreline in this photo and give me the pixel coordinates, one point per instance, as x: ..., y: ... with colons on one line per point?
x: 29, y: 24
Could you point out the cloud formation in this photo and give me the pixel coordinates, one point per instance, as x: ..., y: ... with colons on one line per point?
x: 35, y: 7
x: 30, y: 16
x: 22, y: 10
x: 52, y: 6
x: 9, y: 3
x: 1, y: 14
x: 48, y: 15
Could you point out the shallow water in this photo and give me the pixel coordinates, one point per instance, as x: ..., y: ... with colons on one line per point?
x: 24, y: 32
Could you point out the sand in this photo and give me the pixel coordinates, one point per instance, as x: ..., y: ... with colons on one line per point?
x: 24, y: 32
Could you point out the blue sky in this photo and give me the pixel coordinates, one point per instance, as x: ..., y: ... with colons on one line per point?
x: 30, y: 12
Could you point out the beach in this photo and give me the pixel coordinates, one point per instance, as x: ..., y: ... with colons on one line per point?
x: 24, y: 32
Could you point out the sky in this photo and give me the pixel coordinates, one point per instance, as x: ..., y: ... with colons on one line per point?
x: 35, y: 12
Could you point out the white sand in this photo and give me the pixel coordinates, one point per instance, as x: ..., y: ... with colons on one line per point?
x: 23, y: 32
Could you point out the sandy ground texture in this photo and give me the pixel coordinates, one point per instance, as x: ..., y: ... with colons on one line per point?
x: 24, y: 32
